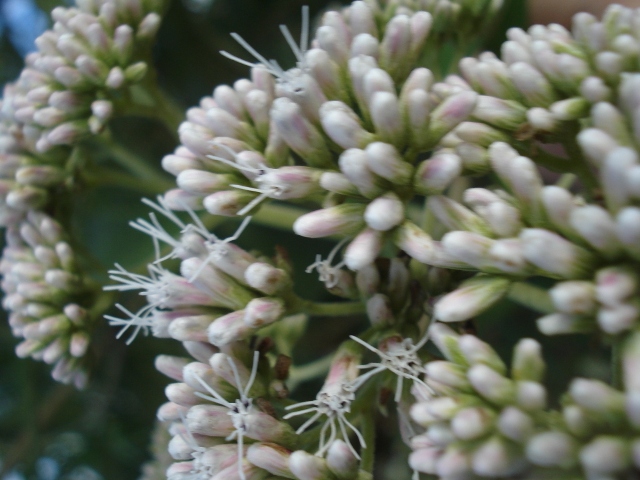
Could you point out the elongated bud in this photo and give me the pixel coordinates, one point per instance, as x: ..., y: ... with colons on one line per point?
x: 437, y: 173
x: 341, y: 461
x: 475, y: 351
x: 574, y: 297
x: 354, y: 163
x: 491, y: 385
x: 419, y: 245
x: 471, y: 298
x: 450, y: 113
x: 554, y: 254
x: 363, y: 249
x: 597, y: 227
x: 342, y: 219
x: 515, y: 424
x: 271, y: 457
x: 309, y: 467
x: 343, y: 126
x: 527, y: 363
x: 563, y: 323
x: 498, y: 458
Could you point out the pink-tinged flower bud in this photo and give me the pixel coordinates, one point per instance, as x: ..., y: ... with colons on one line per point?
x: 290, y: 182
x: 527, y: 363
x: 330, y: 40
x: 260, y: 312
x: 171, y: 366
x: 491, y: 385
x: 574, y: 297
x: 500, y: 113
x: 437, y: 173
x: 343, y: 126
x: 299, y: 134
x: 419, y: 245
x: 377, y: 80
x: 479, y: 134
x: 354, y: 165
x: 227, y: 202
x: 363, y: 249
x: 182, y: 394
x: 211, y: 420
x: 498, y: 458
x: 340, y: 460
x: 365, y: 44
x: 115, y: 79
x: 266, y: 278
x: 554, y: 254
x: 191, y: 328
x: 387, y: 118
x: 535, y: 88
x: 472, y: 298
x: 516, y: 425
x: 341, y: 219
x: 605, y: 455
x: 326, y: 72
x: 385, y: 161
x: 229, y: 328
x: 451, y: 112
x: 222, y: 289
x: 385, y: 212
x: 309, y: 467
x: 416, y: 106
x: 258, y: 103
x: 596, y: 144
x: 552, y: 449
x: 67, y: 133
x: 395, y: 47
x: 271, y: 457
x: 200, y: 182
x: 457, y: 217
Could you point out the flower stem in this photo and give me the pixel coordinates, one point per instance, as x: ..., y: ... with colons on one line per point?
x: 531, y: 296
x: 368, y: 427
x: 100, y: 176
x: 331, y: 309
x: 308, y: 371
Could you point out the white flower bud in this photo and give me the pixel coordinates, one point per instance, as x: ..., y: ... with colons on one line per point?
x: 309, y: 467
x: 574, y: 297
x: 628, y: 229
x: 535, y: 88
x: 342, y: 219
x: 498, y: 458
x: 472, y: 298
x: 552, y: 253
x: 596, y: 144
x: 491, y: 385
x: 551, y: 449
x: 456, y: 216
x: 363, y: 249
x: 263, y: 311
x: 425, y: 460
x: 437, y: 173
x: 451, y: 112
x: 473, y: 422
x: 475, y: 351
x: 385, y: 161
x: 605, y: 455
x: 468, y: 247
x: 385, y: 212
x: 271, y: 457
x: 618, y: 319
x: 596, y: 396
x: 515, y: 424
x: 527, y: 364
x: 354, y: 164
x: 500, y: 113
x: 343, y: 126
x: 387, y: 118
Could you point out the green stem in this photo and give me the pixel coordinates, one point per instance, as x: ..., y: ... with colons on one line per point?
x: 100, y: 176
x: 330, y: 309
x: 531, y: 296
x: 134, y: 163
x: 617, y: 380
x: 278, y: 215
x: 368, y: 427
x: 309, y: 371
x: 150, y: 101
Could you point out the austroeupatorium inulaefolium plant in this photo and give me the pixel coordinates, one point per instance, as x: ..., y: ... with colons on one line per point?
x: 450, y: 183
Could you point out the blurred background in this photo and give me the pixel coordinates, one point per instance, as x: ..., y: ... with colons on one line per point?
x: 50, y: 431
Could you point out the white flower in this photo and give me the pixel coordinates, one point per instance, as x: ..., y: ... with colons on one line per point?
x: 139, y: 322
x: 240, y: 409
x: 328, y: 274
x: 400, y: 358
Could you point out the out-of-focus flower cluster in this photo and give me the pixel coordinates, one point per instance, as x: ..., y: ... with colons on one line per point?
x: 47, y: 297
x: 72, y: 85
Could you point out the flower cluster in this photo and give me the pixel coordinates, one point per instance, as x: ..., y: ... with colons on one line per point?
x: 47, y: 297
x: 482, y: 422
